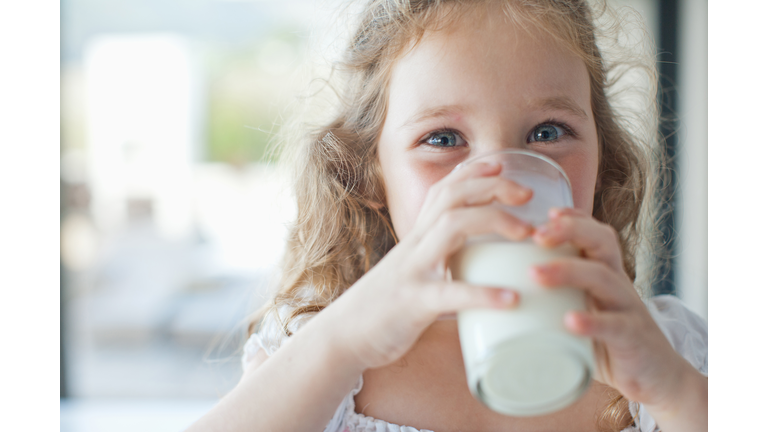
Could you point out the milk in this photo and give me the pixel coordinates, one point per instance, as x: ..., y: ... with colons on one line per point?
x: 521, y: 361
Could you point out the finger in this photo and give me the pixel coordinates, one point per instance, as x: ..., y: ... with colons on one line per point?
x: 451, y: 191
x: 478, y: 169
x: 449, y: 233
x: 429, y: 211
x: 610, y: 289
x: 556, y: 212
x: 445, y: 297
x: 481, y: 191
x: 596, y: 240
x: 471, y: 192
x: 610, y: 327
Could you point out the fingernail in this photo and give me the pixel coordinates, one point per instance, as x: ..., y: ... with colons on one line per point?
x: 545, y: 233
x: 508, y: 296
x: 574, y: 322
x: 555, y: 213
x: 526, y: 230
x: 538, y: 271
x: 571, y: 321
x: 544, y: 230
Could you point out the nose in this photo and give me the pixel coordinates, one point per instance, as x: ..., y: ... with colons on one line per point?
x: 492, y: 144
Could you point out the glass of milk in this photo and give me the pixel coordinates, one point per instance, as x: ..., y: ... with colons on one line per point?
x: 522, y: 361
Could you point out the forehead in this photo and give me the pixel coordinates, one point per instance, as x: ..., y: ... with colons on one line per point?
x: 484, y: 59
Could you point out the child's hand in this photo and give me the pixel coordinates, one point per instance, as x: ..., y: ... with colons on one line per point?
x: 385, y: 312
x: 632, y: 354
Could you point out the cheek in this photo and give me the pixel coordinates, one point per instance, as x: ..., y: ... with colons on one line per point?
x: 407, y: 184
x: 583, y: 194
x: 583, y: 176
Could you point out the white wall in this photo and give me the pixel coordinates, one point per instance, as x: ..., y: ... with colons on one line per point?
x: 142, y: 108
x: 691, y: 217
x: 691, y: 270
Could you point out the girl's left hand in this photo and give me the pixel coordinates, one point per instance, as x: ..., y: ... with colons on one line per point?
x: 632, y: 354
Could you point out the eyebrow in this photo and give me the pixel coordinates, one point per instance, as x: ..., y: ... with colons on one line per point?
x: 436, y: 112
x: 561, y: 103
x: 555, y: 103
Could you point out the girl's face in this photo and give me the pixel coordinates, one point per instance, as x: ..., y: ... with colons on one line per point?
x: 477, y: 86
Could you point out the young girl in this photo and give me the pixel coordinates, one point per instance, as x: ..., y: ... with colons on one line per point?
x: 360, y: 336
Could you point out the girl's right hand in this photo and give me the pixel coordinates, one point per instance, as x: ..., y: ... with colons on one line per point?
x: 382, y: 315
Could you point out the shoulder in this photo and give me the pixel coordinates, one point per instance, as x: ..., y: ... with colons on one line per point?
x: 686, y: 331
x: 274, y: 329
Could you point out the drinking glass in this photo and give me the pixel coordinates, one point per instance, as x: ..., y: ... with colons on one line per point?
x: 522, y: 361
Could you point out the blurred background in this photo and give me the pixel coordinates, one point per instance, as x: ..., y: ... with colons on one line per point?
x: 173, y: 215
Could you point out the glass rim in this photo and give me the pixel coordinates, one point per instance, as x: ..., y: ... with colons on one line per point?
x: 522, y: 152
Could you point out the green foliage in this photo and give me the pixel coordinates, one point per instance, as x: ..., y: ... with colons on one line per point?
x: 238, y: 133
x: 249, y: 87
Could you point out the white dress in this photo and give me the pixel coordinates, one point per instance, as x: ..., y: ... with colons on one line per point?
x: 686, y: 331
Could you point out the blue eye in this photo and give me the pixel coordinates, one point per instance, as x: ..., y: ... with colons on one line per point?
x: 546, y: 132
x: 443, y: 139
